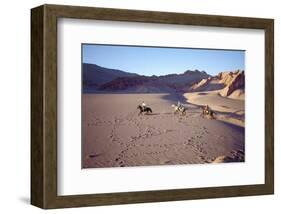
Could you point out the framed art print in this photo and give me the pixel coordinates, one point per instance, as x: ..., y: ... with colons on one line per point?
x: 139, y: 106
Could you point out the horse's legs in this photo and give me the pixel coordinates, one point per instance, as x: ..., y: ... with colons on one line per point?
x: 202, y: 114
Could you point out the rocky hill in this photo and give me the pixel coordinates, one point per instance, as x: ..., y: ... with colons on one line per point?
x: 95, y: 76
x: 228, y: 84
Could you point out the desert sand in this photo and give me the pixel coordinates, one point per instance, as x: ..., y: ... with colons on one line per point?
x: 227, y: 109
x: 114, y: 135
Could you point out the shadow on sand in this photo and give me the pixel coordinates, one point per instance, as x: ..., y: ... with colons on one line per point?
x: 175, y: 97
x: 233, y: 126
x: 152, y: 114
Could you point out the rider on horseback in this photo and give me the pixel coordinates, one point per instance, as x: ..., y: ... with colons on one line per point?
x: 143, y: 105
x: 180, y: 106
x: 143, y: 108
x: 207, y: 109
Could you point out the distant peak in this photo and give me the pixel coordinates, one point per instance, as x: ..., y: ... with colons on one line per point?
x: 196, y: 71
x: 224, y: 74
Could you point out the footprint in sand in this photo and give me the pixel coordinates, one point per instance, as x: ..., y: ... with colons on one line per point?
x: 187, y: 143
x: 94, y: 155
x: 202, y: 157
x: 121, y: 164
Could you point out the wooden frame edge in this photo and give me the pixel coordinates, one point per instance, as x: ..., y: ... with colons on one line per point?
x: 269, y: 106
x: 37, y: 151
x: 44, y: 100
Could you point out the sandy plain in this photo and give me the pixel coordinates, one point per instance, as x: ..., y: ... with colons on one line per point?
x: 115, y: 135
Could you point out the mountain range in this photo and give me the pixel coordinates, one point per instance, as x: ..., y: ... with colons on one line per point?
x: 101, y: 79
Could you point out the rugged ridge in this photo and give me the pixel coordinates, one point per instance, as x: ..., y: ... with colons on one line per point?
x: 228, y: 84
x: 233, y: 81
x: 100, y: 79
x: 149, y: 84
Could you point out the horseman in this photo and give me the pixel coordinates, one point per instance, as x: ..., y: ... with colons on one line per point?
x: 143, y: 105
x: 180, y: 106
x: 207, y: 109
x: 143, y: 108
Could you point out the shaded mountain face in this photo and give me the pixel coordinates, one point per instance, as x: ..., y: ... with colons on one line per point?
x: 100, y: 79
x: 228, y: 84
x: 155, y: 84
x: 95, y: 76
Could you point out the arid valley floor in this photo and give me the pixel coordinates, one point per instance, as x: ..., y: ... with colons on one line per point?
x: 114, y: 135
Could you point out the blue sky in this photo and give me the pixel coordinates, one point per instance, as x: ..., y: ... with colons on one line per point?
x: 161, y: 61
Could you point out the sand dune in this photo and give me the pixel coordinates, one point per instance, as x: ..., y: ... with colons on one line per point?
x: 227, y: 109
x: 114, y: 135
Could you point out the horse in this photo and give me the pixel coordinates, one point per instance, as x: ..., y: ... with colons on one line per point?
x: 208, y: 112
x: 179, y: 109
x: 144, y: 109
